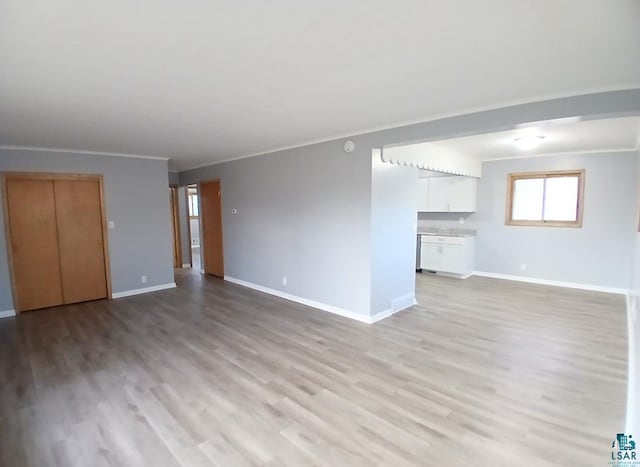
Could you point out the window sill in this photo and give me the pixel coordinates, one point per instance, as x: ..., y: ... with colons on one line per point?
x: 567, y: 224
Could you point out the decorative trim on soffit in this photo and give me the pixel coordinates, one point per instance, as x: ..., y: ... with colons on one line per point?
x: 7, y: 313
x: 322, y: 306
x: 79, y: 151
x: 569, y: 285
x: 442, y: 116
x: 153, y: 288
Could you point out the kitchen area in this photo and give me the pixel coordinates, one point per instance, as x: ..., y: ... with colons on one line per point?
x: 447, y: 195
x: 445, y: 250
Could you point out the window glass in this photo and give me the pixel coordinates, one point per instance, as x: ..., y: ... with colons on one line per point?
x: 193, y: 205
x: 561, y: 199
x: 527, y: 199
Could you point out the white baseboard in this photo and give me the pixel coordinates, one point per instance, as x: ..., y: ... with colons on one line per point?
x: 570, y: 285
x: 7, y: 313
x: 397, y: 304
x: 153, y: 288
x: 448, y: 274
x: 294, y: 298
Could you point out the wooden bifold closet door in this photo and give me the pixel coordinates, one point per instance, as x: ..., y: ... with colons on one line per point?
x: 80, y: 240
x: 34, y: 244
x: 57, y: 241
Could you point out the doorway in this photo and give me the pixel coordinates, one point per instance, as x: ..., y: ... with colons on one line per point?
x: 56, y: 239
x: 175, y: 227
x: 211, y: 209
x: 193, y: 213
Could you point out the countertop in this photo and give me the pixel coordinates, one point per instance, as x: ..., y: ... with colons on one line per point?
x: 446, y: 232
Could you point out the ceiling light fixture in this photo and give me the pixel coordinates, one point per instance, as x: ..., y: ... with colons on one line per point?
x: 529, y: 142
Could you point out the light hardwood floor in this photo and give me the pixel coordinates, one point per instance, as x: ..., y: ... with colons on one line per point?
x: 482, y: 372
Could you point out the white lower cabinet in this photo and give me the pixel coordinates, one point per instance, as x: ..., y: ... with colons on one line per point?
x: 430, y: 256
x: 452, y: 255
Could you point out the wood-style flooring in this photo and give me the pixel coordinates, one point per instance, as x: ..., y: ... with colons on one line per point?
x: 482, y: 372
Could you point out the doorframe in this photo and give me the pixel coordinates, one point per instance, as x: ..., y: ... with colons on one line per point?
x: 203, y: 253
x: 4, y: 176
x: 186, y: 200
x: 175, y: 218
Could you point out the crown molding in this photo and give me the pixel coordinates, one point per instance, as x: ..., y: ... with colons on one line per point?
x: 564, y: 153
x: 79, y: 151
x: 442, y: 116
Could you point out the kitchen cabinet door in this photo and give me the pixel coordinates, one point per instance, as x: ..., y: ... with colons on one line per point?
x: 462, y: 194
x: 430, y: 256
x: 453, y: 259
x: 423, y: 195
x: 439, y: 194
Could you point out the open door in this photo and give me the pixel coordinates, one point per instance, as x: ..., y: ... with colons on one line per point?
x: 211, y: 217
x: 175, y: 227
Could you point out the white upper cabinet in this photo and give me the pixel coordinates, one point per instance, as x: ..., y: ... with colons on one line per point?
x: 438, y: 199
x: 423, y: 194
x: 463, y: 194
x: 448, y: 194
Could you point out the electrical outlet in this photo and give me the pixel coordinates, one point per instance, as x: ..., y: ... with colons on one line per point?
x: 461, y: 220
x: 284, y: 280
x: 112, y: 225
x: 143, y: 279
x: 523, y: 267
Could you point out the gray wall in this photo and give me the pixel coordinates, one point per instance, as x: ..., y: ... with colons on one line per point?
x: 597, y: 254
x: 137, y: 200
x: 306, y: 212
x: 174, y: 178
x: 394, y: 196
x: 303, y: 214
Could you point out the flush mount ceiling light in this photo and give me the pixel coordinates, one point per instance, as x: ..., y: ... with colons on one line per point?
x: 529, y: 142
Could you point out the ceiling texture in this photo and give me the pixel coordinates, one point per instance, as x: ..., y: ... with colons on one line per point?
x: 204, y: 81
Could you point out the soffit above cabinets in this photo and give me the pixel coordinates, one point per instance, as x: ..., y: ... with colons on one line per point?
x: 430, y: 156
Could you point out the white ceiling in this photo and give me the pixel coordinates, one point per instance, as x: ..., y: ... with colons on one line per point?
x: 202, y: 81
x: 616, y: 134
